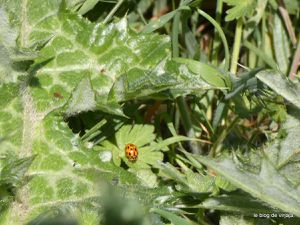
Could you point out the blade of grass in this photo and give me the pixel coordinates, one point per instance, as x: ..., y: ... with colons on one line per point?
x: 90, y: 134
x: 269, y: 61
x: 222, y: 35
x: 113, y: 11
x: 156, y: 24
x: 236, y: 46
x: 216, y: 41
x: 90, y: 4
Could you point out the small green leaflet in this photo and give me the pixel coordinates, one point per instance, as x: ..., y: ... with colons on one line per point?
x: 239, y: 8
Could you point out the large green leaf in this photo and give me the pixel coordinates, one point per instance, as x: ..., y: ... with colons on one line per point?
x: 121, y: 65
x: 101, y: 53
x: 284, y: 151
x: 80, y: 66
x: 115, y: 59
x: 288, y: 89
x: 274, y: 180
x: 31, y: 19
x: 63, y: 170
x: 269, y: 185
x: 12, y: 64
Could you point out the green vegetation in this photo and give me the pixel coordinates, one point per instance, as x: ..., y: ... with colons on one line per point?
x: 208, y: 92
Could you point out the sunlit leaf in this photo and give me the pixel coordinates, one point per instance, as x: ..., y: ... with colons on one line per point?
x: 141, y: 136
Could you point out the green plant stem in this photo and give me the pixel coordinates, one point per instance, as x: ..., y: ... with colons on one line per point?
x: 113, y: 11
x: 216, y: 42
x: 175, y: 33
x: 142, y: 16
x: 236, y: 46
x: 222, y: 35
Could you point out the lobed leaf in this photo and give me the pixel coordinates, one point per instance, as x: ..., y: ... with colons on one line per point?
x: 239, y: 8
x: 139, y: 135
x: 63, y: 170
x: 268, y: 185
x: 284, y: 151
x: 281, y: 85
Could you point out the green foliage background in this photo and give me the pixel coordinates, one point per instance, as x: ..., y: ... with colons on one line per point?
x: 207, y: 96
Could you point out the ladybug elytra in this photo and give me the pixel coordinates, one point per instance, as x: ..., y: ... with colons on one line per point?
x: 131, y: 152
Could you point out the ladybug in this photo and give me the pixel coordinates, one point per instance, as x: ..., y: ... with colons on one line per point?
x: 131, y: 152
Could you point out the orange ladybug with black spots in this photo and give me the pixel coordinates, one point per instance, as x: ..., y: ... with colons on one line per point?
x: 131, y: 152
